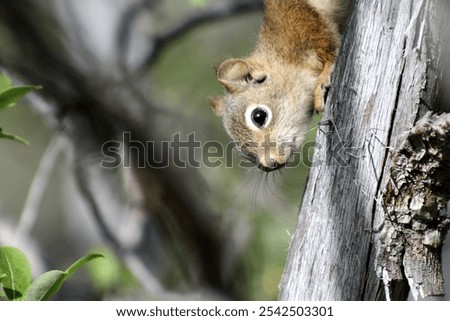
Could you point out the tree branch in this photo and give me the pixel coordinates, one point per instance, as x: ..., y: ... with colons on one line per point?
x: 91, y: 111
x: 213, y: 13
x: 38, y: 187
x: 126, y: 22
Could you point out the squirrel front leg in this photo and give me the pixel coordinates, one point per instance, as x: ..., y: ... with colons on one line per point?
x: 322, y: 86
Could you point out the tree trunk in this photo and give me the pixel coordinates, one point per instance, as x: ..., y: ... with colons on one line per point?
x: 388, y: 76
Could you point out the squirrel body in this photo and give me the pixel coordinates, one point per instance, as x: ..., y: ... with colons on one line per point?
x: 270, y: 95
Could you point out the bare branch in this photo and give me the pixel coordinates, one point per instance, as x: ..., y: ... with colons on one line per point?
x: 148, y: 280
x: 219, y: 11
x: 38, y: 187
x: 126, y: 24
x: 92, y: 112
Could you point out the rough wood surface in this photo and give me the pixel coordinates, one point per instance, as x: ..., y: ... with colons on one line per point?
x: 387, y: 77
x: 415, y: 202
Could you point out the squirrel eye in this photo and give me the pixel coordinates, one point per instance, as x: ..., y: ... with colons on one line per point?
x: 259, y: 80
x: 258, y: 117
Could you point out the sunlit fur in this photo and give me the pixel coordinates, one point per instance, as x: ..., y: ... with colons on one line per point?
x: 287, y: 72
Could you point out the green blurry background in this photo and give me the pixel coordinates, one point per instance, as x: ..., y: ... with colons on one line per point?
x: 260, y: 209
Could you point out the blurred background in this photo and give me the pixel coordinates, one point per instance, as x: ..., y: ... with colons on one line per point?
x: 144, y: 67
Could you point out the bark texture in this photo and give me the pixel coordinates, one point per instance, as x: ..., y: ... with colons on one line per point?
x: 388, y: 76
x: 415, y: 202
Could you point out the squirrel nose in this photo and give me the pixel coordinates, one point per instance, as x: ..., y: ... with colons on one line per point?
x: 273, y: 167
x: 266, y: 164
x: 270, y: 164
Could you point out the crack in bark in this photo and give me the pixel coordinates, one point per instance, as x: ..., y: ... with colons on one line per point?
x: 385, y: 160
x: 415, y: 203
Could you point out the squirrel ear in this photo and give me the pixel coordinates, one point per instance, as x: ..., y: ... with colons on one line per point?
x: 216, y: 104
x: 232, y: 74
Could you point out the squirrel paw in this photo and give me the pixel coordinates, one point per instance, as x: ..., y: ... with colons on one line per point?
x: 320, y: 97
x: 321, y: 91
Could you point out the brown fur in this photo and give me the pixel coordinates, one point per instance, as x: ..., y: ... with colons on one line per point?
x: 293, y: 28
x: 286, y: 75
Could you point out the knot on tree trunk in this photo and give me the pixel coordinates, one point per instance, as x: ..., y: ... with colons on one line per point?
x: 416, y: 202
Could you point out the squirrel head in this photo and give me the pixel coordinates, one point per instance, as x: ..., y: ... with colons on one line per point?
x: 266, y: 108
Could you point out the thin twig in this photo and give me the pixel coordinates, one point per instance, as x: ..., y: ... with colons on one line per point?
x: 148, y: 280
x: 219, y: 11
x: 38, y: 187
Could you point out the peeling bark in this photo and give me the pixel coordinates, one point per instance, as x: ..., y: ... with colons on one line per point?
x: 415, y: 202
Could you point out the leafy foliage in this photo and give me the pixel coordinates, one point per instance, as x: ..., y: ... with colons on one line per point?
x: 15, y: 272
x: 15, y: 276
x: 9, y: 95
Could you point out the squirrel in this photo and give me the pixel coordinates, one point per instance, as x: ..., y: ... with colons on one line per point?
x: 270, y: 96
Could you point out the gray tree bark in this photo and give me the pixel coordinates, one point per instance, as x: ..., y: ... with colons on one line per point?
x: 388, y: 76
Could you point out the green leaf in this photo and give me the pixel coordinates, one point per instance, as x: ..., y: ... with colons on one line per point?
x: 5, y: 82
x: 2, y: 294
x: 45, y: 286
x: 81, y: 262
x: 16, y: 272
x: 50, y: 282
x: 13, y: 137
x: 10, y: 95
